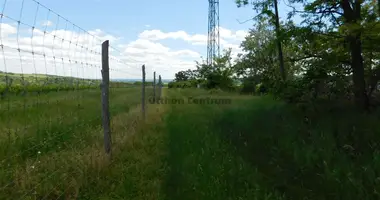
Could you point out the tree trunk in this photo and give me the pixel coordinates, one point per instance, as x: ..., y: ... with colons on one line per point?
x: 280, y: 54
x: 373, y: 81
x: 361, y: 98
x: 352, y: 16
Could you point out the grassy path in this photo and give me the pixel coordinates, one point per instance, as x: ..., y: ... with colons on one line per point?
x: 177, y: 155
x: 259, y: 148
x: 202, y: 165
x: 253, y: 148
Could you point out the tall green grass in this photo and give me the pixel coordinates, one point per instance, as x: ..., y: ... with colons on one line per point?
x: 254, y: 148
x: 36, y: 130
x: 260, y: 148
x: 202, y: 165
x: 305, y: 154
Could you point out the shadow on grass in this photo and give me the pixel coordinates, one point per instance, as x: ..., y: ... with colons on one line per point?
x: 200, y: 164
x: 306, y: 155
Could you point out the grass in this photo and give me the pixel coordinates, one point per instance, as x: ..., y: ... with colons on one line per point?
x: 42, y: 79
x: 259, y: 148
x: 203, y: 166
x: 253, y: 148
x: 307, y: 155
x: 14, y: 84
x: 44, y: 134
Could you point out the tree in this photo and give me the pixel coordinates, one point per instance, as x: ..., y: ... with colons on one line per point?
x: 336, y: 40
x: 181, y: 76
x: 259, y: 63
x: 264, y: 9
x: 221, y: 74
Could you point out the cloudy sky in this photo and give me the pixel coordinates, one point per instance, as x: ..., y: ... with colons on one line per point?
x: 165, y: 35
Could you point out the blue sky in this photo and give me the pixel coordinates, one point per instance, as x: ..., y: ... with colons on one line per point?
x: 171, y: 27
x: 127, y: 18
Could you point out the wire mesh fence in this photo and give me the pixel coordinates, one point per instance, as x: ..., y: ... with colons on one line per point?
x: 50, y: 100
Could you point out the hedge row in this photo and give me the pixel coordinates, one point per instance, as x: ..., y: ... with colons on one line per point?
x: 183, y: 84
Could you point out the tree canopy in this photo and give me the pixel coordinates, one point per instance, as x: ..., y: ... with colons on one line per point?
x: 333, y: 54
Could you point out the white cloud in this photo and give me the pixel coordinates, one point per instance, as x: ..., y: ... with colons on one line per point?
x: 155, y: 35
x: 226, y: 36
x: 47, y: 23
x: 241, y: 34
x: 78, y: 54
x: 7, y: 30
x: 104, y: 36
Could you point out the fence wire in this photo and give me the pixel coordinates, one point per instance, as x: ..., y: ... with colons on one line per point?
x: 50, y: 105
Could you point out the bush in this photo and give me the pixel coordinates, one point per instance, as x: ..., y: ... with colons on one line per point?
x: 183, y: 84
x: 249, y: 85
x: 215, y: 91
x: 260, y: 88
x: 215, y: 80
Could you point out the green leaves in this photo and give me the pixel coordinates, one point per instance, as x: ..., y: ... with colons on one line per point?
x: 241, y: 3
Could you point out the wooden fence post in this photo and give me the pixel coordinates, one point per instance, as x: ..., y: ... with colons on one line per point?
x: 154, y: 87
x: 143, y: 93
x: 105, y: 98
x: 159, y: 86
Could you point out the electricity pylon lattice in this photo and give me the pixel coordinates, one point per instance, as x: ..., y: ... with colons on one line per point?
x: 213, y: 40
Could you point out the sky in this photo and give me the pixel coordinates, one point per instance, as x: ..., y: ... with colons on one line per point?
x: 165, y: 35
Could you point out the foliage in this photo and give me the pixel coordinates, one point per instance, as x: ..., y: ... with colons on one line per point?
x: 331, y: 55
x: 184, y: 84
x: 219, y: 75
x: 186, y: 75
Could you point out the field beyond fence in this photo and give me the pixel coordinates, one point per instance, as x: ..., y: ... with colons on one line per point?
x: 60, y: 101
